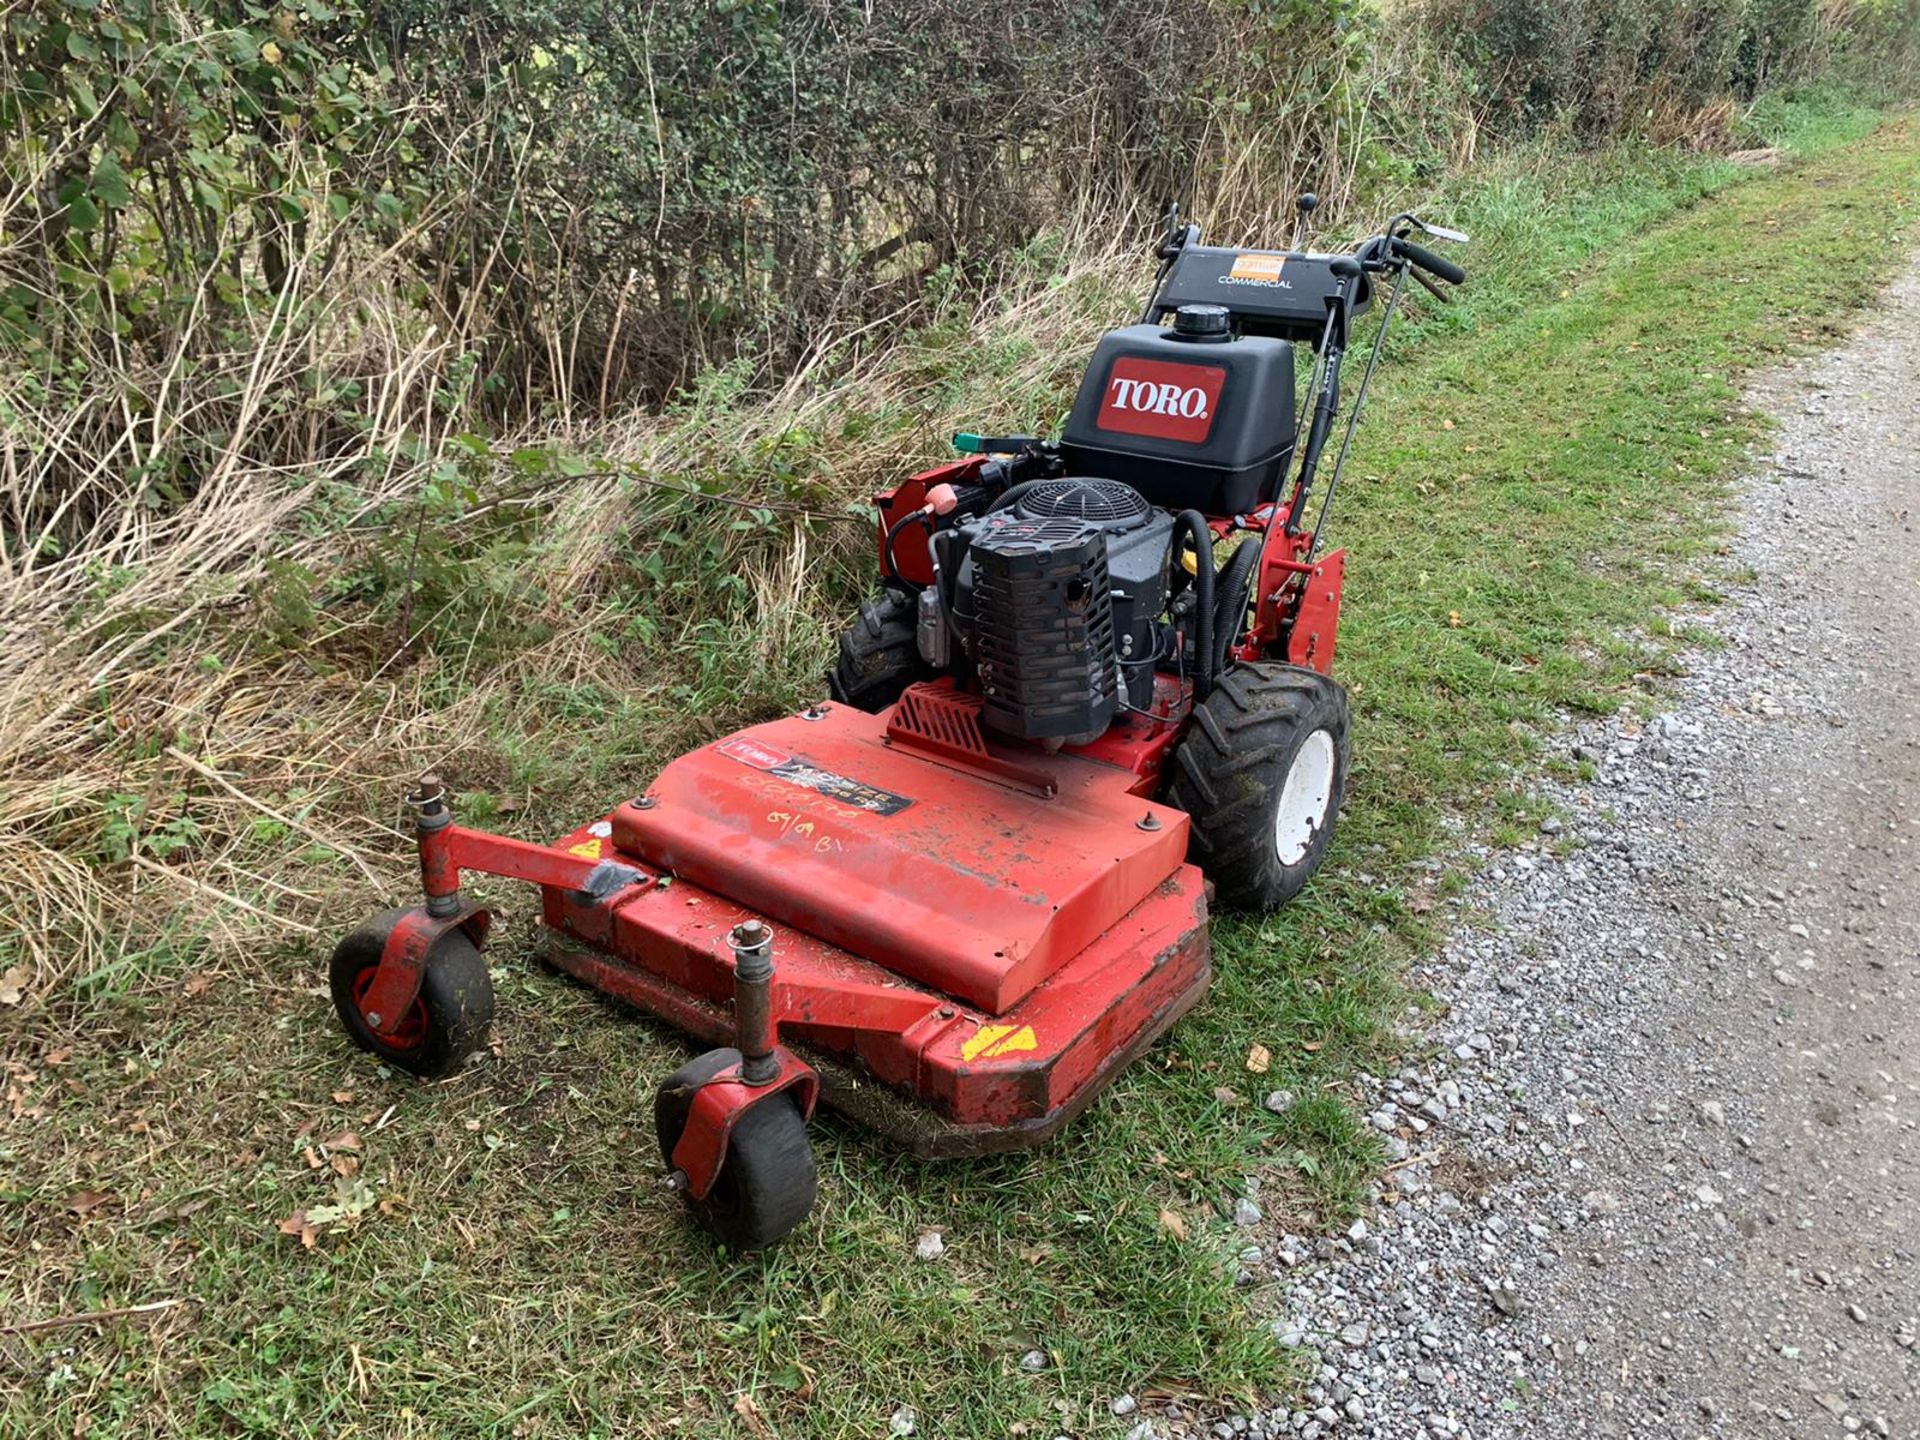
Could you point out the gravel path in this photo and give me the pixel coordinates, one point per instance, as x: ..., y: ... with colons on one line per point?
x: 1662, y: 1176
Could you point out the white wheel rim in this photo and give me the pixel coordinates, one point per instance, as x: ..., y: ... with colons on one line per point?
x: 1304, y: 799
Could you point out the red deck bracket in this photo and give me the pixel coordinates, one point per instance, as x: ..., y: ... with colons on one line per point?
x: 1316, y: 618
x: 445, y: 850
x: 403, y: 960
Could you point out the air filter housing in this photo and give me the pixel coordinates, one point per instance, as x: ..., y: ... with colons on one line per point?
x: 1035, y: 592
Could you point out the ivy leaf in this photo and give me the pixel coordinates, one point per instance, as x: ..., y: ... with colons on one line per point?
x: 120, y: 133
x: 82, y: 214
x: 81, y: 47
x: 110, y: 186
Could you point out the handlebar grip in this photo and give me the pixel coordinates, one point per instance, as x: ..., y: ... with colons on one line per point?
x: 1430, y: 262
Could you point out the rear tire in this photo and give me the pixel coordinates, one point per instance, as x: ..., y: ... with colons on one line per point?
x: 1261, y: 772
x: 767, y: 1183
x: 879, y: 654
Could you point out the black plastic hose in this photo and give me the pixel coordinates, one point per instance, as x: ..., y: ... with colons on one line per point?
x: 1192, y: 525
x: 1236, y: 584
x: 891, y: 569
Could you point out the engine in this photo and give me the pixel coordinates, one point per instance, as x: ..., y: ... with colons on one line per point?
x: 1056, y: 598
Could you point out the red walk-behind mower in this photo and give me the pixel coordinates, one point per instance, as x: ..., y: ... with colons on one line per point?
x: 954, y: 900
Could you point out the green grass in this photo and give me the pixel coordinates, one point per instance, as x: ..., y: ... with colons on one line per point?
x: 1540, y: 474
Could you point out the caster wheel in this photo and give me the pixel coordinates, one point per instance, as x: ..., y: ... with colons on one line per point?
x: 450, y: 1017
x: 766, y: 1185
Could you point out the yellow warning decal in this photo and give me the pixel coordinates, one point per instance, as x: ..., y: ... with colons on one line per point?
x: 990, y: 1042
x: 586, y: 849
x: 1254, y: 266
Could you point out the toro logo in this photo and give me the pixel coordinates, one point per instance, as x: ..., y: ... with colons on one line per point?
x: 1162, y: 399
x: 748, y: 752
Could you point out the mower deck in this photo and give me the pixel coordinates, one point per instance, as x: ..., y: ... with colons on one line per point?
x: 937, y: 1077
x: 845, y: 826
x: 991, y: 950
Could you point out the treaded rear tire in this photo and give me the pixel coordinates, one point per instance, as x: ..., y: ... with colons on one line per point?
x: 1230, y: 772
x: 879, y: 655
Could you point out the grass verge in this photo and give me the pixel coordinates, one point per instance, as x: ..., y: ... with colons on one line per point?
x: 1538, y: 478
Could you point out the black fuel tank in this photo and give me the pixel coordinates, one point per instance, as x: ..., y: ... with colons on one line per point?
x: 1192, y: 421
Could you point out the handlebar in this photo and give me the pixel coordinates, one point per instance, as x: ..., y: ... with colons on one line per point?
x: 1434, y: 264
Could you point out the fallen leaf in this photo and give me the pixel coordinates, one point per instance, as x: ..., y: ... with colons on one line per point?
x: 1175, y: 1226
x: 345, y: 1165
x: 345, y: 1140
x: 314, y: 1162
x: 749, y: 1412
x: 1258, y: 1059
x: 298, y: 1226
x: 808, y: 1382
x: 13, y: 985
x: 343, y: 1097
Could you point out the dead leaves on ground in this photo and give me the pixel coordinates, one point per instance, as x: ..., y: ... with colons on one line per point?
x: 353, y: 1197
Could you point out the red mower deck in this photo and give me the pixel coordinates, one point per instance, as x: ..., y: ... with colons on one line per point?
x: 1047, y: 933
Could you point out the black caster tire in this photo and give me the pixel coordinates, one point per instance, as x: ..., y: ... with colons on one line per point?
x: 767, y: 1183
x: 451, y: 1016
x: 879, y: 655
x: 1261, y: 772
